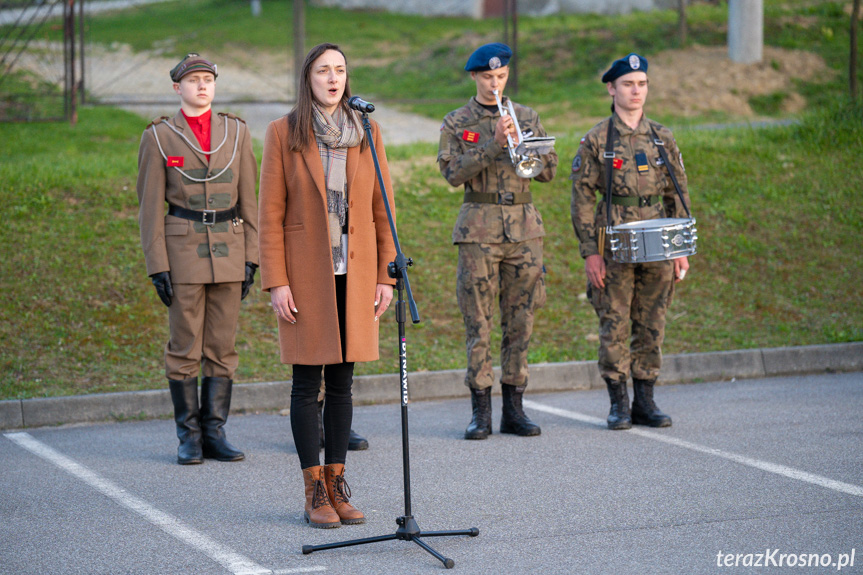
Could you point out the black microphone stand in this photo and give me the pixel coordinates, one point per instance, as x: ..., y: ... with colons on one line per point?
x: 408, y: 529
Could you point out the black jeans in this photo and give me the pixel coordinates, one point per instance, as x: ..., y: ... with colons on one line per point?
x: 338, y: 402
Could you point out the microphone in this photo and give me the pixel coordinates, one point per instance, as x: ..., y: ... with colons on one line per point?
x: 361, y: 105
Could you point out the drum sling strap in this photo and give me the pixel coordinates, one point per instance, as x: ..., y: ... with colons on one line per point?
x: 660, y: 145
x: 608, y: 155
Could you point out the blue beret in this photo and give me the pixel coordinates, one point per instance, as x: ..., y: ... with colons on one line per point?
x: 627, y: 64
x: 489, y: 57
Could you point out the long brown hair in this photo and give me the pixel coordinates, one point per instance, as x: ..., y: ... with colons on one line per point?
x: 300, y: 118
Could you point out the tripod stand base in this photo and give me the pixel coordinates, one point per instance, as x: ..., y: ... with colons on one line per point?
x: 408, y: 531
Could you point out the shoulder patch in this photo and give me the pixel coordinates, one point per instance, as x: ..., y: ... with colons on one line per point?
x: 576, y: 163
x: 232, y: 116
x: 157, y: 121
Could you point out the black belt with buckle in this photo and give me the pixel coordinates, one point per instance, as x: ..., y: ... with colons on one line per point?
x: 206, y: 217
x: 504, y: 199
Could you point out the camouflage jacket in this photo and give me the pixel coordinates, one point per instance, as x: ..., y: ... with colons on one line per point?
x: 469, y: 155
x: 588, y: 179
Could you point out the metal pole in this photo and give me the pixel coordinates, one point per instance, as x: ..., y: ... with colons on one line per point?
x: 73, y: 119
x: 67, y: 91
x: 745, y: 30
x: 514, y: 67
x: 299, y: 43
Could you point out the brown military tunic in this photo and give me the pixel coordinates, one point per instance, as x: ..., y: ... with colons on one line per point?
x: 500, y: 244
x: 636, y: 296
x: 206, y: 262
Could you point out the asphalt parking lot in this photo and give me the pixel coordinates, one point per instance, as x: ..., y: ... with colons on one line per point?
x: 755, y: 475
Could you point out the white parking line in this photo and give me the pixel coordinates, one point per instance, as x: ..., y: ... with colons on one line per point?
x: 783, y: 470
x: 229, y: 559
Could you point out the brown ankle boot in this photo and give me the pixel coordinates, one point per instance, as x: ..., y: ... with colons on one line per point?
x: 339, y: 493
x: 319, y: 511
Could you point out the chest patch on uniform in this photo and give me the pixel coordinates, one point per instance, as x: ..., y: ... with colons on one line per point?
x: 617, y: 163
x: 641, y: 162
x: 175, y: 161
x: 660, y: 161
x: 576, y: 164
x: 471, y: 137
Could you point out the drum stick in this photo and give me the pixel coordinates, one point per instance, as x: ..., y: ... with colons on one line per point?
x: 600, y: 239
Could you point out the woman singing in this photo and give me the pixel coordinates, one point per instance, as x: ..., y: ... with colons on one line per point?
x: 325, y: 245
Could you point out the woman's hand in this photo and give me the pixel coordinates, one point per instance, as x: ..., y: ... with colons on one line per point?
x: 383, y: 297
x: 283, y: 303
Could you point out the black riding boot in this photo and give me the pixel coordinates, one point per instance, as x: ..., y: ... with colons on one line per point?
x: 618, y: 416
x: 184, y: 395
x: 215, y: 405
x: 513, y: 419
x: 480, y: 423
x: 644, y: 410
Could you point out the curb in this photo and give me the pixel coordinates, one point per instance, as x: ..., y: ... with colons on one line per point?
x: 569, y: 376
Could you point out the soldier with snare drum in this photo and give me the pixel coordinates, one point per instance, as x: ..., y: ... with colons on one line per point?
x: 635, y: 240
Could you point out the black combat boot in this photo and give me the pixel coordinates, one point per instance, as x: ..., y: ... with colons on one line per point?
x: 480, y: 424
x: 357, y: 442
x: 184, y: 395
x: 513, y: 419
x: 215, y: 405
x: 618, y: 415
x: 644, y: 410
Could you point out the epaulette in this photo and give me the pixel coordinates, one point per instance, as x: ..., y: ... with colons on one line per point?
x: 157, y: 121
x: 232, y: 116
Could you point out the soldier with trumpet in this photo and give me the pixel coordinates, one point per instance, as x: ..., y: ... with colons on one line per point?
x: 498, y: 232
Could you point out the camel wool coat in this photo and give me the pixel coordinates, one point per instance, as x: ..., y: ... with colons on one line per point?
x: 295, y: 248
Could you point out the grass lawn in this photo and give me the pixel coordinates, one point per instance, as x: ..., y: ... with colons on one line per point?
x: 778, y: 208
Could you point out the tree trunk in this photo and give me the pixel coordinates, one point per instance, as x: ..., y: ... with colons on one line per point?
x: 681, y: 21
x: 852, y: 61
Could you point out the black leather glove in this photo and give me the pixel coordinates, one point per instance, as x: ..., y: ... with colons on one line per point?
x: 162, y: 281
x: 250, y: 279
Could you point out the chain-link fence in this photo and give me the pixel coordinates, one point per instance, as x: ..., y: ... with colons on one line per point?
x: 38, y: 64
x: 49, y: 62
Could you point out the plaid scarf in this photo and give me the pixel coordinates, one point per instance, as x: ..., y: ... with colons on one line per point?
x: 334, y: 135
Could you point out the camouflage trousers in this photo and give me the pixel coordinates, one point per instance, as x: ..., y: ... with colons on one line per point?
x: 631, y: 312
x: 513, y: 273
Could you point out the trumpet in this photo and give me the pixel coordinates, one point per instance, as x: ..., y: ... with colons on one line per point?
x: 525, y: 155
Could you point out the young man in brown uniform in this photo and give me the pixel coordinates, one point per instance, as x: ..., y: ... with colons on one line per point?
x: 631, y: 299
x: 198, y: 220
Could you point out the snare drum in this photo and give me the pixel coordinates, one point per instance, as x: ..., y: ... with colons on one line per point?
x: 653, y: 240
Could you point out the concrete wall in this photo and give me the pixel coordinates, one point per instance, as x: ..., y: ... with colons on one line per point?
x: 479, y: 8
